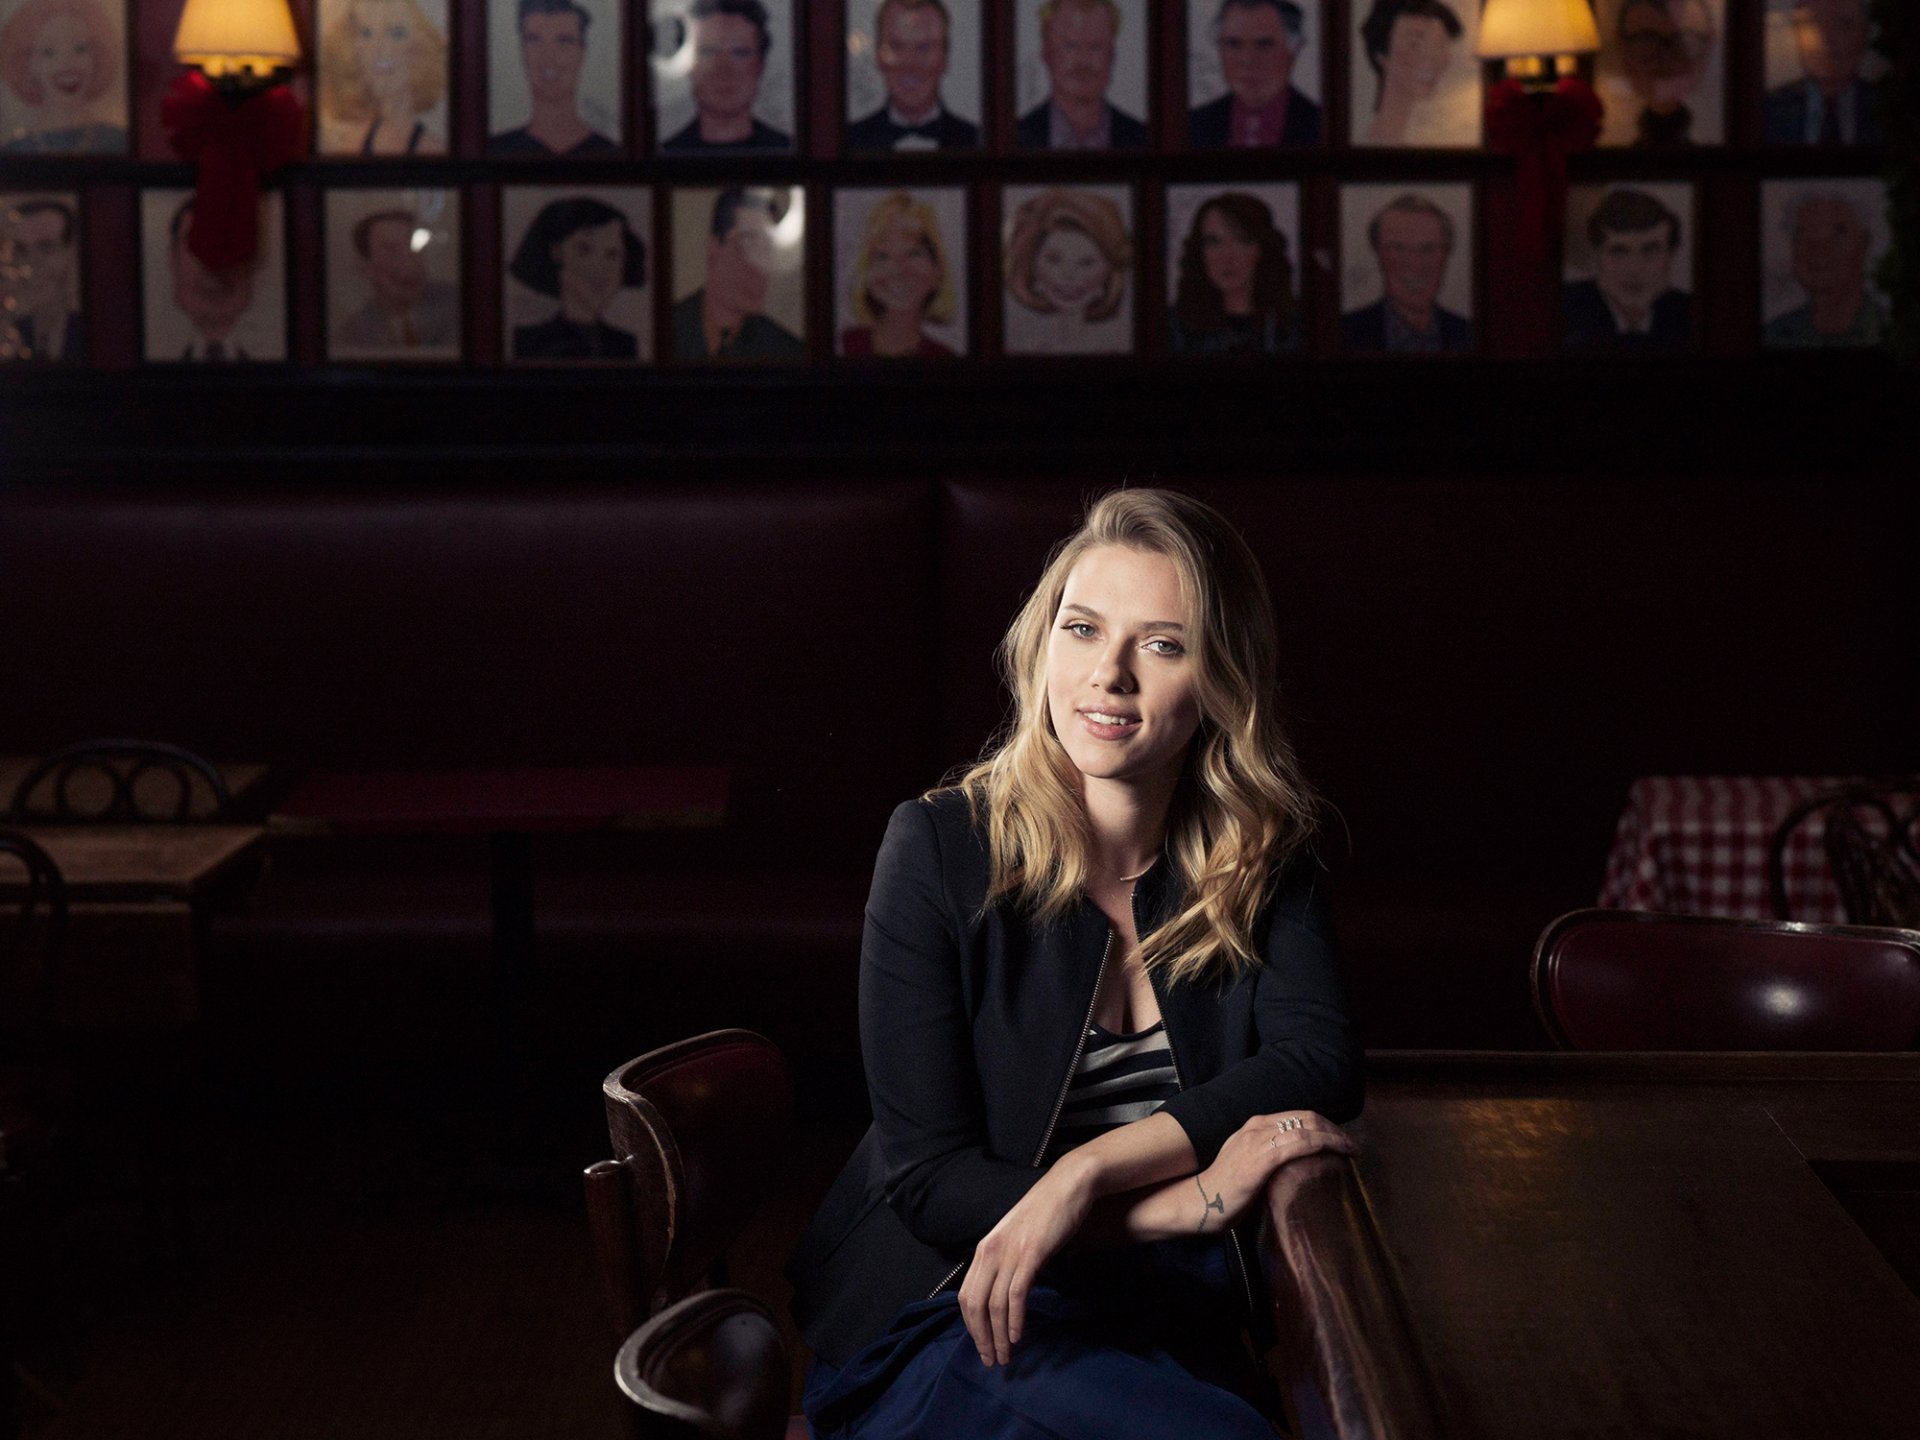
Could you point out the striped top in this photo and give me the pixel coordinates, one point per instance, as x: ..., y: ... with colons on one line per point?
x: 1120, y: 1079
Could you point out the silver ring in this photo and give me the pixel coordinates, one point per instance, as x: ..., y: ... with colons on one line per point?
x: 1292, y: 1122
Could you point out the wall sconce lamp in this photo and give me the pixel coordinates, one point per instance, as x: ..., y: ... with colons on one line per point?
x: 1539, y: 39
x: 1542, y: 111
x: 241, y: 46
x: 233, y: 114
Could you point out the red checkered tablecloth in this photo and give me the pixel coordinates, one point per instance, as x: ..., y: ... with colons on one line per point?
x: 1697, y: 845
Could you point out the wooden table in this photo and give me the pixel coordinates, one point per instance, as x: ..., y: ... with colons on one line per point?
x: 138, y: 897
x: 1534, y: 1246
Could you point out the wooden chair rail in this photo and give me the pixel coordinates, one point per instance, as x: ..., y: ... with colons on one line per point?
x: 1348, y: 1360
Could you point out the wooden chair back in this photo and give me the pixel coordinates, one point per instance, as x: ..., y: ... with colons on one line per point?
x: 709, y: 1367
x: 700, y: 1131
x: 120, y: 782
x: 1629, y: 980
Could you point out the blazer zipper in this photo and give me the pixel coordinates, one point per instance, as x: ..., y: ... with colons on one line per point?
x: 1173, y: 1054
x: 1060, y: 1100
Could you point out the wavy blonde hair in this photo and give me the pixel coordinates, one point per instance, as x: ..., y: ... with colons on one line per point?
x: 344, y: 88
x: 1241, y: 809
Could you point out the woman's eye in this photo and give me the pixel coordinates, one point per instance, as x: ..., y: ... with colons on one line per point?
x: 1078, y: 627
x: 1165, y: 647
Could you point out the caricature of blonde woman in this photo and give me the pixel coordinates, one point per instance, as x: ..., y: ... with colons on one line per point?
x: 60, y: 61
x: 1069, y: 257
x: 383, y: 73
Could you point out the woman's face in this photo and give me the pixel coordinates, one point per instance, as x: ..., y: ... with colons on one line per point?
x: 1229, y: 254
x: 1418, y: 49
x: 386, y: 44
x: 592, y: 260
x: 1121, y: 689
x: 1069, y: 271
x: 63, y: 62
x: 902, y: 276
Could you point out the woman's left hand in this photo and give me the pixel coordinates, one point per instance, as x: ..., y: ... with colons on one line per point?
x: 993, y: 1298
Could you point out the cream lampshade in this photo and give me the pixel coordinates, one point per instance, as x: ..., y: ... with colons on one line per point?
x: 237, y: 37
x: 1530, y: 35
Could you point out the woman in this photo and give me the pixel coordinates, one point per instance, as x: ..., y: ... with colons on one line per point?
x: 59, y: 58
x: 383, y: 66
x: 1099, y: 1006
x: 1235, y: 292
x: 1067, y: 264
x: 901, y: 283
x: 1409, y: 44
x: 581, y: 252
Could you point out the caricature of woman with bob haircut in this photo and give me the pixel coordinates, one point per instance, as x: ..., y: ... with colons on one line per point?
x: 1235, y: 291
x: 1101, y: 1007
x: 901, y: 283
x: 383, y: 67
x: 581, y: 252
x: 58, y: 58
x: 1068, y: 260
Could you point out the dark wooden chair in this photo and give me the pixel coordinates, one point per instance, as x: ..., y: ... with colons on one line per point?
x: 1628, y: 980
x: 30, y: 1091
x: 710, y: 1367
x: 1870, y: 831
x: 700, y: 1130
x: 120, y: 782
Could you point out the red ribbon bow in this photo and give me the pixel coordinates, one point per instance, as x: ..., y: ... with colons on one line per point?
x: 1541, y: 131
x: 236, y: 144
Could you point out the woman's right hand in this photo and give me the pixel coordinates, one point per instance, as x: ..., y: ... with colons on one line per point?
x: 1253, y: 1152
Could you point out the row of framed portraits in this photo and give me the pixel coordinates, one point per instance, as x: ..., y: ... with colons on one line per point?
x: 724, y: 75
x: 581, y: 282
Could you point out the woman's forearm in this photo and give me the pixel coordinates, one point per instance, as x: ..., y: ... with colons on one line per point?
x: 1139, y: 1154
x: 1171, y: 1208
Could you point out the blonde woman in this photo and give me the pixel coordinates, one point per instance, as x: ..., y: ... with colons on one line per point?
x: 1068, y: 259
x: 61, y: 63
x: 1100, y: 1005
x: 901, y: 283
x: 383, y: 69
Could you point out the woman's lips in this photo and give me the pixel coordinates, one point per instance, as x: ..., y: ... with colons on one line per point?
x: 68, y: 82
x: 1097, y: 723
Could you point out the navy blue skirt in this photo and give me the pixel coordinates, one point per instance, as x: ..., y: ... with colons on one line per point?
x: 1141, y: 1342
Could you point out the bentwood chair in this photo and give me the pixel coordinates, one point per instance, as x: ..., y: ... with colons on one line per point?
x: 1870, y: 832
x: 699, y: 1131
x: 120, y: 782
x: 1629, y: 980
x: 30, y: 1090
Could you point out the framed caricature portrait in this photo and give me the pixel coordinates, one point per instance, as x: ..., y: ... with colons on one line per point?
x: 900, y: 273
x: 723, y: 80
x: 382, y: 77
x: 1068, y: 267
x: 1080, y: 74
x: 40, y: 317
x: 579, y: 266
x: 1253, y: 74
x: 1823, y: 74
x: 1821, y: 244
x: 1628, y: 267
x: 1662, y: 72
x: 913, y: 75
x: 1406, y: 269
x: 1413, y: 78
x: 739, y: 274
x: 63, y: 77
x: 554, y: 78
x: 1233, y: 269
x: 193, y: 314
x: 393, y: 275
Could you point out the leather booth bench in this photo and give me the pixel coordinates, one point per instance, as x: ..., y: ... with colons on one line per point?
x: 1475, y: 669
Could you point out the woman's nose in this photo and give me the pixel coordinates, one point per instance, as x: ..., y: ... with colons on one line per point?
x: 1111, y: 673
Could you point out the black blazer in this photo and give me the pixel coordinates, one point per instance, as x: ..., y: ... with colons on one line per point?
x: 879, y: 131
x: 1207, y: 124
x: 1785, y: 109
x: 1365, y: 329
x: 1034, y: 130
x: 1590, y: 323
x: 970, y: 1017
